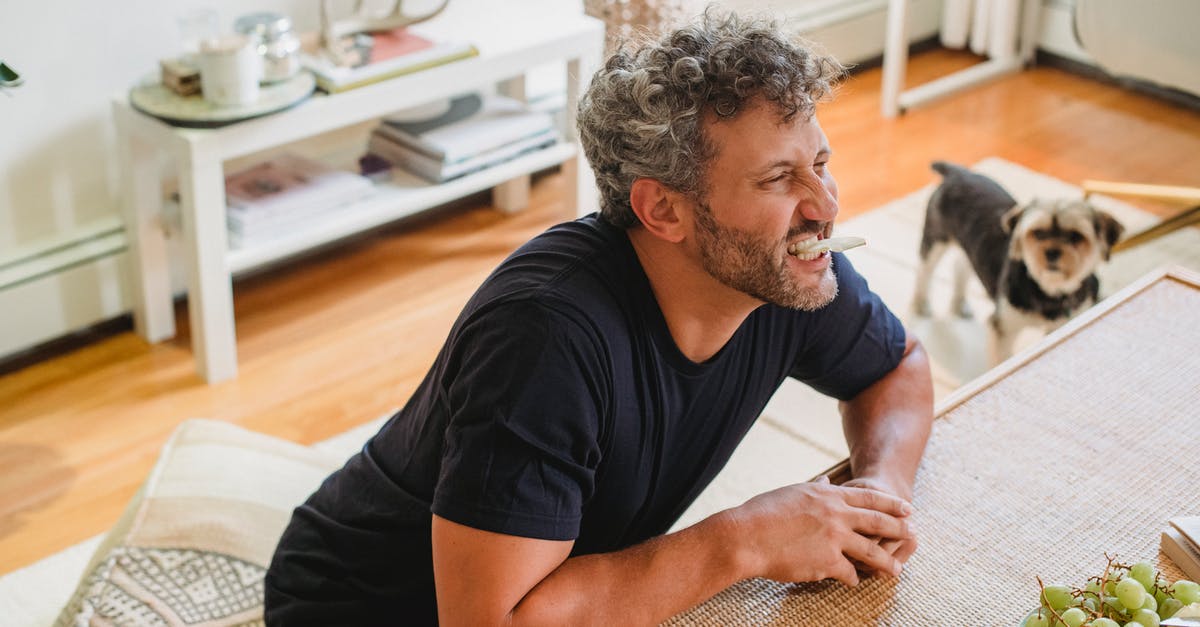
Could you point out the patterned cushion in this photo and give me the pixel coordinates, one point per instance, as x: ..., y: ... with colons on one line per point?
x: 193, y: 546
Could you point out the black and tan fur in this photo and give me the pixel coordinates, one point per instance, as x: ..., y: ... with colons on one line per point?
x: 1037, y: 261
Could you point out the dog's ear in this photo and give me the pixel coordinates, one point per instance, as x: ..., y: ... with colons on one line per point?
x: 1009, y: 222
x: 1109, y: 231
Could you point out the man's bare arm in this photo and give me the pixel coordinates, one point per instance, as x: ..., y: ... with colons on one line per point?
x: 802, y: 532
x: 888, y: 424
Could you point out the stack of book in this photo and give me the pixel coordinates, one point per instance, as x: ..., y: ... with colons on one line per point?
x: 1181, y: 543
x: 369, y: 58
x: 285, y: 194
x: 474, y: 132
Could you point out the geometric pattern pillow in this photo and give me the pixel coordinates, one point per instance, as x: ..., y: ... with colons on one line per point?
x: 193, y: 546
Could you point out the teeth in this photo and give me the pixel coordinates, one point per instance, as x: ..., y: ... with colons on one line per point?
x: 812, y: 247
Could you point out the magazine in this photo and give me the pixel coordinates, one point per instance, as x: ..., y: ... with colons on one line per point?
x: 286, y: 188
x: 439, y: 171
x: 388, y: 54
x: 472, y: 124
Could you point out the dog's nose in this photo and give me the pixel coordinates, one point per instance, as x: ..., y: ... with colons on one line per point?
x: 1053, y: 254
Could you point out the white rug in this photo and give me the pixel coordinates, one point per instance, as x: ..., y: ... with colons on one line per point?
x: 800, y: 433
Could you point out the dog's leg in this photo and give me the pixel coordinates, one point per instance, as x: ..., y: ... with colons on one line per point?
x: 1003, y: 326
x: 962, y: 273
x: 932, y: 253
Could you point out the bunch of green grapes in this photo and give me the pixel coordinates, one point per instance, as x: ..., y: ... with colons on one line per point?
x: 1122, y: 596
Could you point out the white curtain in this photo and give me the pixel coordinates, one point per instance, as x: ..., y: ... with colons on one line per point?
x: 988, y: 27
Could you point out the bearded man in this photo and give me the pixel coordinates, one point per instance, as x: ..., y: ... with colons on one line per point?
x: 601, y: 377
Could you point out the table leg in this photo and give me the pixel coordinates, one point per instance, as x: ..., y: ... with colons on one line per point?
x: 895, y: 56
x: 581, y: 182
x: 141, y: 204
x: 512, y: 195
x: 210, y: 287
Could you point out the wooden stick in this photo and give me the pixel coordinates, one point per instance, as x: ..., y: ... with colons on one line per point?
x: 1159, y: 192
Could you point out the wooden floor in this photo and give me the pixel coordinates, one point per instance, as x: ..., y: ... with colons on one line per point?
x: 345, y: 336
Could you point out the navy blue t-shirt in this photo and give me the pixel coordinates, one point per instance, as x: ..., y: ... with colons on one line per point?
x: 560, y: 408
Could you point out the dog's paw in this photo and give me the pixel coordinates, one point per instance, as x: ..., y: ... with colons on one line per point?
x: 922, y: 308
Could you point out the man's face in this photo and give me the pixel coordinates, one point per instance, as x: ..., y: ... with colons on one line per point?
x: 768, y: 187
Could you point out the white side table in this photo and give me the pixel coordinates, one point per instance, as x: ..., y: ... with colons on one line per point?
x: 511, y: 43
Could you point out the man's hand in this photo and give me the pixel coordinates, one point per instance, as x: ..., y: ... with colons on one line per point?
x: 887, y: 426
x: 901, y: 549
x: 816, y: 530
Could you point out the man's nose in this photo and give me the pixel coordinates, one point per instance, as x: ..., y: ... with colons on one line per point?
x: 821, y: 206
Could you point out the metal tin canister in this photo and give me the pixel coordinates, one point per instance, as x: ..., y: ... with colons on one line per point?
x: 278, y: 45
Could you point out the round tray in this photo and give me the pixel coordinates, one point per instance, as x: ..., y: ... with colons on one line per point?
x: 153, y: 98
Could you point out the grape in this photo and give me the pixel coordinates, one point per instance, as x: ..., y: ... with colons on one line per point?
x: 1169, y: 607
x: 1038, y: 619
x: 1187, y: 592
x: 1134, y: 623
x: 1105, y: 622
x: 1131, y: 593
x: 1057, y: 597
x: 1161, y: 590
x: 1146, y: 617
x: 1143, y: 572
x: 1074, y: 617
x: 1150, y: 603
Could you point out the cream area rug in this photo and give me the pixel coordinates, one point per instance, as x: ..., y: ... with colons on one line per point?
x: 800, y: 433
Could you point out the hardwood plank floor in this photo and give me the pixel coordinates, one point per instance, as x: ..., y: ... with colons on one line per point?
x: 344, y: 336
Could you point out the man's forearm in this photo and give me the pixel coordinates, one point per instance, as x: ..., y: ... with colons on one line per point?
x: 644, y: 584
x: 888, y: 424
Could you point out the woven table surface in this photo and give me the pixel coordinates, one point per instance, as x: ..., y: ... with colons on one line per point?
x: 1087, y: 448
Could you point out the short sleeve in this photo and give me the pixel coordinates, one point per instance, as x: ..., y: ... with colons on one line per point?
x: 852, y: 342
x: 522, y: 441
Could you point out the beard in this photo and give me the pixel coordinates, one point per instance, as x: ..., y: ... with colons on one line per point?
x: 755, y: 266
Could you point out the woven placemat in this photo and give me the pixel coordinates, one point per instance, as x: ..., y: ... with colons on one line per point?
x: 1087, y: 449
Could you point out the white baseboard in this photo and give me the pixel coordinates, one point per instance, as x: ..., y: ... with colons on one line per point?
x: 52, y: 302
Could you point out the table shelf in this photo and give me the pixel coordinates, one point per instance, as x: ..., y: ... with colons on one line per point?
x: 403, y: 195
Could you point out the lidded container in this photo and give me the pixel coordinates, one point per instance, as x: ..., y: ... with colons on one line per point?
x: 277, y: 43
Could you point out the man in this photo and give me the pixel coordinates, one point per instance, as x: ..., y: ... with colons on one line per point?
x: 604, y: 373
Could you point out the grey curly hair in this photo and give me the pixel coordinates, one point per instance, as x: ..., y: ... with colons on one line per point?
x: 641, y: 116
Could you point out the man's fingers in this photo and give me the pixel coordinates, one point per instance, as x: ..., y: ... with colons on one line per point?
x: 846, y: 573
x: 906, y: 550
x: 878, y: 525
x: 880, y: 501
x: 872, y: 556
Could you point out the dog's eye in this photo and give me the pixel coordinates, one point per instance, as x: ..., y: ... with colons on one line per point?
x: 1041, y: 234
x: 1074, y: 237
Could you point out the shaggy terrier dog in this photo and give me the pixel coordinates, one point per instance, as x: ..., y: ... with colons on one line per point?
x: 1037, y: 261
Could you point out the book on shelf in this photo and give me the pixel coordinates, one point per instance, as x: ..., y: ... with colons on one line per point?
x: 1181, y: 543
x: 388, y: 54
x: 472, y: 124
x: 439, y: 171
x: 277, y: 195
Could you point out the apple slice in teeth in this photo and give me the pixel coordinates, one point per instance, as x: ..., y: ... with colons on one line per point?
x: 835, y: 244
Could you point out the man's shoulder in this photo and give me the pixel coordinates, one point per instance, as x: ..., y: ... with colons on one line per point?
x: 584, y: 261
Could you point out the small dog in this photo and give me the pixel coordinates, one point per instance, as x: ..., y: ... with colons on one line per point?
x: 1036, y: 261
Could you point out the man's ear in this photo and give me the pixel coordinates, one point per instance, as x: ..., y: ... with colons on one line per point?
x: 658, y: 209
